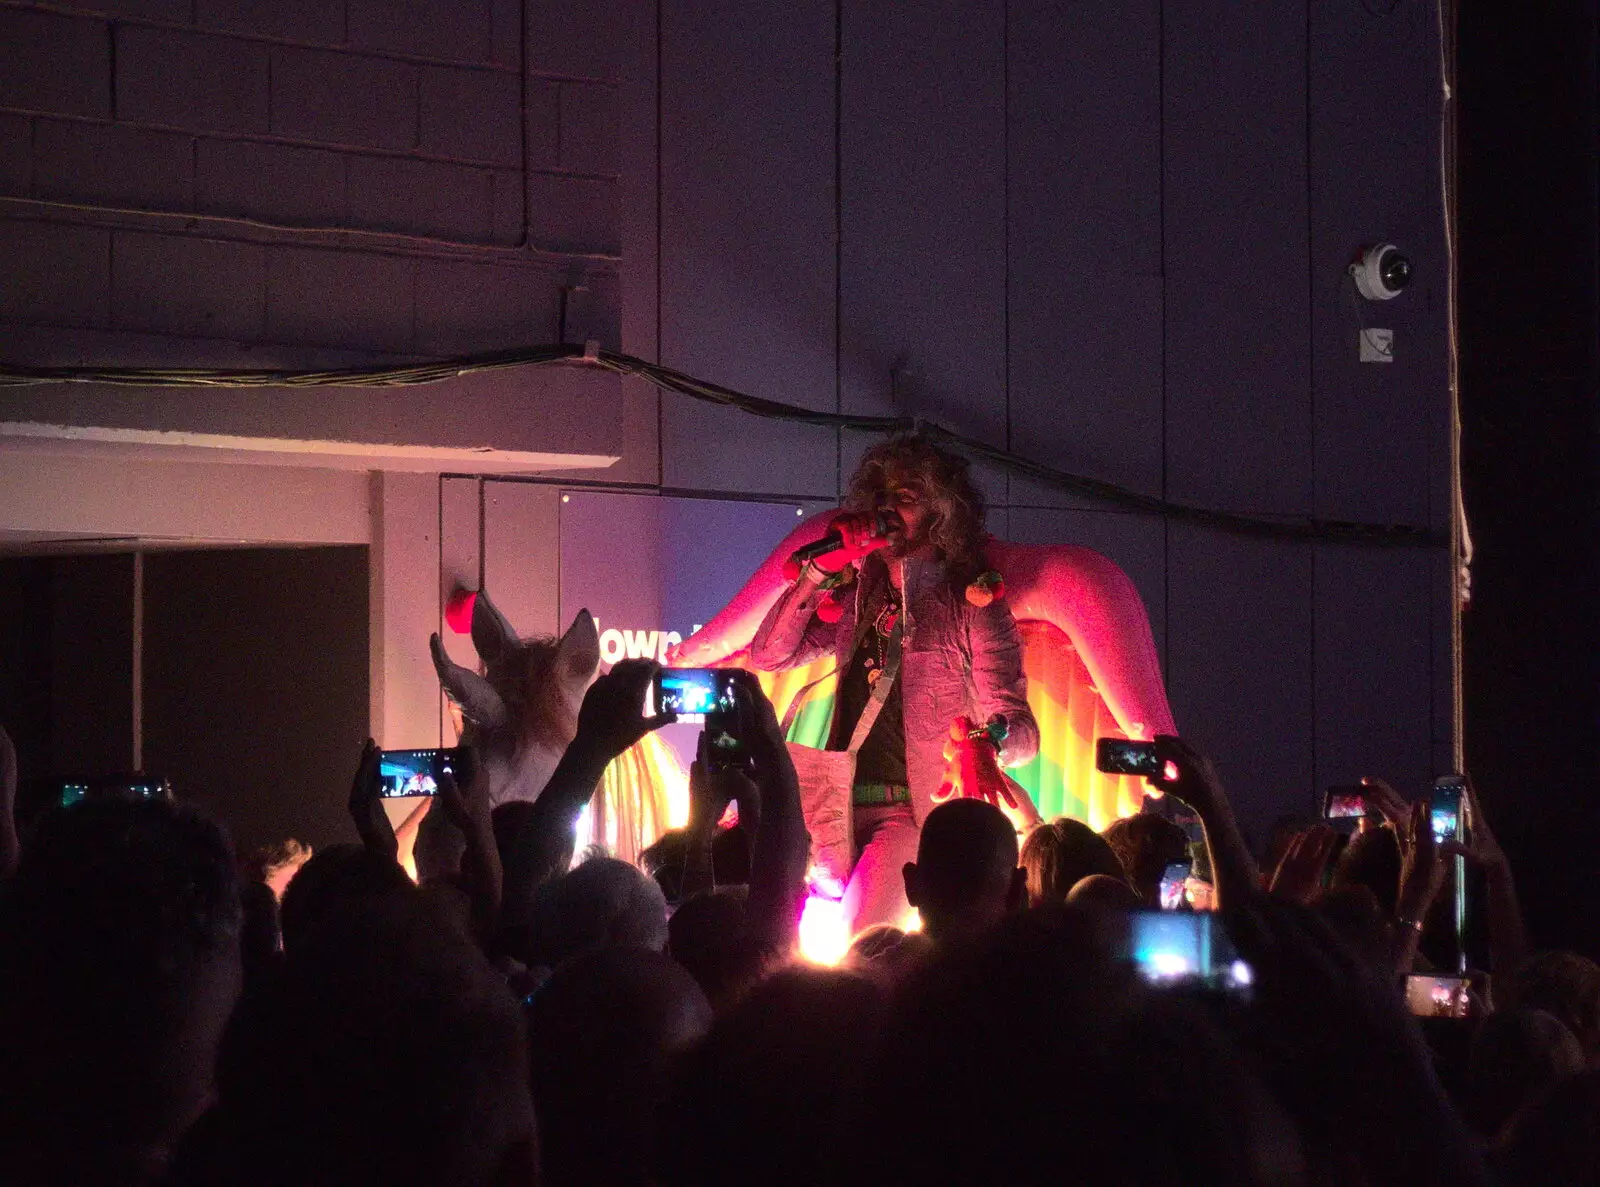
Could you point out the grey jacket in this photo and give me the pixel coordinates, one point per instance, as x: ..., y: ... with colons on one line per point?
x: 958, y: 659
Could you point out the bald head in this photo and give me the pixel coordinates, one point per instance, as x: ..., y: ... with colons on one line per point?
x: 965, y: 877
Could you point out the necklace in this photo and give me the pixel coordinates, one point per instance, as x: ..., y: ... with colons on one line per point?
x: 882, y: 627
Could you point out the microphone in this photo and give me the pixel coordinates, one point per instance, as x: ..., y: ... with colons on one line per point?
x: 883, y: 522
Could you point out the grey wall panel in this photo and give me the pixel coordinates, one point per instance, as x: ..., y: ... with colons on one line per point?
x: 1084, y: 242
x: 1374, y: 663
x: 1374, y: 179
x: 1238, y: 417
x: 922, y: 166
x: 747, y: 239
x: 1239, y: 665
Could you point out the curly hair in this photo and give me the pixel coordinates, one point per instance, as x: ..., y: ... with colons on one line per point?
x: 955, y: 505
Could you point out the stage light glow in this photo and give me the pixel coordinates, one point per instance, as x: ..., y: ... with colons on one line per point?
x: 1167, y: 964
x: 824, y: 931
x: 911, y: 921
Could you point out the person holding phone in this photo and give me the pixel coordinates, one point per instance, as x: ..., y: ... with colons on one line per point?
x: 916, y: 649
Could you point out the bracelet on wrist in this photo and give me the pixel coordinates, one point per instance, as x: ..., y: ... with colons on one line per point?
x: 1415, y: 925
x: 823, y: 579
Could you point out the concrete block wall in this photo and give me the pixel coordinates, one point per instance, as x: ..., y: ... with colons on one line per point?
x: 1113, y: 238
x: 399, y: 178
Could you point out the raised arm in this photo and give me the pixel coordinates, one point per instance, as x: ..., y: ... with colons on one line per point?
x: 1199, y: 786
x: 781, y: 846
x: 468, y: 809
x: 366, y: 806
x: 791, y: 635
x: 611, y: 720
x: 1508, y: 934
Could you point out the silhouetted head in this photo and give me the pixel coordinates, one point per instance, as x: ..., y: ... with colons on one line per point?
x: 388, y: 1051
x: 1104, y: 892
x: 120, y: 965
x: 1372, y: 859
x: 274, y: 865
x: 601, y: 903
x: 665, y: 859
x: 1565, y: 984
x: 1145, y: 845
x: 965, y: 877
x: 772, y: 1094
x: 603, y: 1034
x: 707, y: 937
x: 1517, y: 1055
x: 1060, y: 854
x: 337, y: 875
x: 1035, y: 1057
x: 1557, y: 1140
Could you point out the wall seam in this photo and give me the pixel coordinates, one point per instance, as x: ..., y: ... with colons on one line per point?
x: 1005, y: 225
x: 838, y: 242
x: 661, y: 399
x: 1161, y: 238
x: 1311, y: 400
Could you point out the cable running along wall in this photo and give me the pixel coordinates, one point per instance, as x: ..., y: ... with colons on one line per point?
x: 1307, y: 528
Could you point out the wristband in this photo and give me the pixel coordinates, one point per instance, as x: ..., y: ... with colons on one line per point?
x: 824, y: 579
x: 1414, y: 924
x: 994, y: 732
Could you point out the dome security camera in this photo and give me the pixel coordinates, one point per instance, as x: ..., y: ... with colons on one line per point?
x: 1382, y: 273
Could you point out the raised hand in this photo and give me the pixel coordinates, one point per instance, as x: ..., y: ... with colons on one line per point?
x: 860, y: 540
x: 1388, y: 802
x: 972, y: 768
x: 1508, y: 936
x: 1299, y: 874
x: 1340, y: 1043
x: 1196, y: 783
x: 612, y: 717
x: 366, y: 805
x: 465, y: 805
x: 1193, y: 778
x: 1423, y: 868
x: 713, y: 787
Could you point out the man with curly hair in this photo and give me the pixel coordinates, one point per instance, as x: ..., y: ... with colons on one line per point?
x: 918, y: 641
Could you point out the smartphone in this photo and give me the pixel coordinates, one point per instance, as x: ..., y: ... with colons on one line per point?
x: 1187, y: 949
x: 112, y: 787
x: 692, y: 693
x: 405, y: 773
x: 1438, y: 997
x: 1445, y: 807
x: 1345, y: 803
x: 1175, y: 886
x: 1123, y: 756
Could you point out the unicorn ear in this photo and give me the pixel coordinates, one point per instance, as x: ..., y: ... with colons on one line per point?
x: 492, y: 635
x: 480, y: 703
x: 578, y: 654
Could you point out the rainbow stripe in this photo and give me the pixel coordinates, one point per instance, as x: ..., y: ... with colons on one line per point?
x: 1068, y: 707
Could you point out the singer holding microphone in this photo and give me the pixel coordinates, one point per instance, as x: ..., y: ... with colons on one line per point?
x: 891, y: 597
